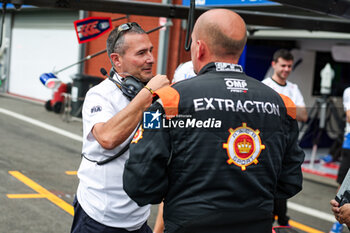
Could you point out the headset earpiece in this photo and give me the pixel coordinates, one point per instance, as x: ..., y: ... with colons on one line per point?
x: 130, y: 85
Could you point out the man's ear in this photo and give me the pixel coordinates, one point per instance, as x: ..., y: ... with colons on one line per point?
x: 273, y: 63
x: 116, y: 59
x: 201, y: 49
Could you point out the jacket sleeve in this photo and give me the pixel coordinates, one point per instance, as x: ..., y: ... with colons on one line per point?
x: 291, y: 177
x: 145, y: 173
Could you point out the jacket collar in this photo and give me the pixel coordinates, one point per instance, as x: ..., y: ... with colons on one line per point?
x: 221, y: 66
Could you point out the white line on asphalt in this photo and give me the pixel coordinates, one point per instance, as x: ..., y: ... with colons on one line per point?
x: 311, y: 212
x: 42, y: 125
x: 291, y: 205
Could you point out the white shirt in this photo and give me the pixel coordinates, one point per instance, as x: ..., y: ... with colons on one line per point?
x: 346, y: 104
x: 100, y: 191
x: 290, y: 89
x: 184, y: 71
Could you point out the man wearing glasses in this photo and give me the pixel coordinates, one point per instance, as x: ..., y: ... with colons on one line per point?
x: 111, y: 112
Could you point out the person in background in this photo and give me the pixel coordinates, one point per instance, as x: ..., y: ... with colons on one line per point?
x: 184, y: 71
x: 159, y: 223
x: 282, y: 64
x: 3, y: 50
x: 111, y: 114
x: 226, y: 143
x: 343, y: 212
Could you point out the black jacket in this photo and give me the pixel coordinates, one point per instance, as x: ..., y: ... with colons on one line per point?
x: 228, y: 152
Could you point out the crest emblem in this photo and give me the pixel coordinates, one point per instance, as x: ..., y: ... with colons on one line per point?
x: 243, y: 146
x: 138, y: 135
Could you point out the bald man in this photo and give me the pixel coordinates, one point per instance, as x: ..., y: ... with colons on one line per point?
x: 217, y: 148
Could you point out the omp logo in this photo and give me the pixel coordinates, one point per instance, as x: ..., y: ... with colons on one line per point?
x: 236, y: 85
x: 151, y: 120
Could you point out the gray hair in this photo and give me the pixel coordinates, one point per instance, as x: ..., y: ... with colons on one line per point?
x: 116, y: 39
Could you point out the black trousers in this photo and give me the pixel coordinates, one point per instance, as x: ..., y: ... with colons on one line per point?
x: 280, y: 209
x: 83, y: 223
x: 344, y: 165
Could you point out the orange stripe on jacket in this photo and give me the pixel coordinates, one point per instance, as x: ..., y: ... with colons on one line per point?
x: 170, y: 99
x: 291, y: 108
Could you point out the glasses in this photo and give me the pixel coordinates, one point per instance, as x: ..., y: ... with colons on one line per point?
x: 123, y: 28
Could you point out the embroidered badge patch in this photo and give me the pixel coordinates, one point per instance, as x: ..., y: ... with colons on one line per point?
x: 138, y: 135
x: 243, y: 146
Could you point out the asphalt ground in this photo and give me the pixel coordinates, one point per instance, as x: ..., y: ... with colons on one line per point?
x: 38, y: 165
x: 37, y: 169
